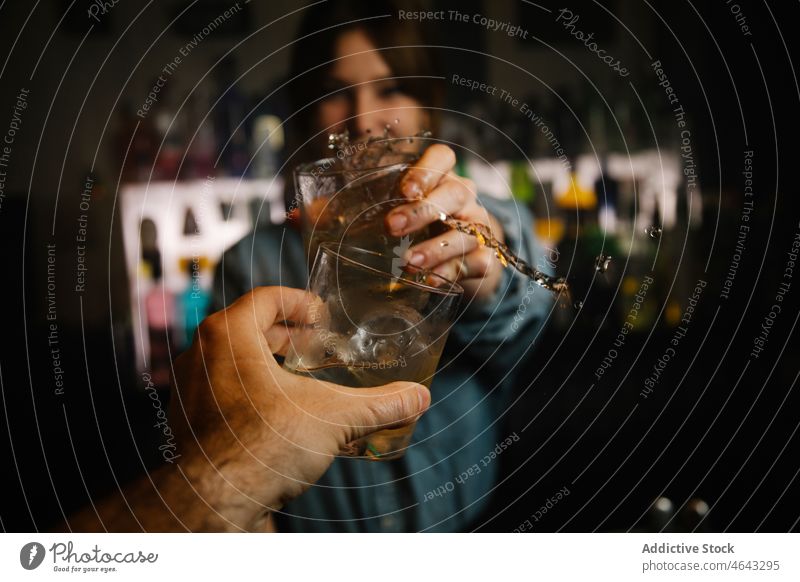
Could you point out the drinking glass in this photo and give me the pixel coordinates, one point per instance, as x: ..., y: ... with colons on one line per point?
x: 372, y: 320
x: 343, y: 203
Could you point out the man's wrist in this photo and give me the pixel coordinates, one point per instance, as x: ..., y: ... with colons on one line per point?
x: 227, y: 497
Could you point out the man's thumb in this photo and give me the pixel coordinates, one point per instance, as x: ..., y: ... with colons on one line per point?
x: 389, y: 406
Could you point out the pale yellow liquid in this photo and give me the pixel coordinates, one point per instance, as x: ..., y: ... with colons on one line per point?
x: 419, y: 367
x: 358, y: 227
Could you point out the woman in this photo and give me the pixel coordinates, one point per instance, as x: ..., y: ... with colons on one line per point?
x: 357, y: 66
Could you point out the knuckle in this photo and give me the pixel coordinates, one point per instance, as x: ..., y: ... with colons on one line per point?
x: 395, y: 408
x: 259, y: 295
x: 460, y: 195
x: 429, y: 210
x: 212, y: 328
x: 451, y: 269
x: 376, y: 409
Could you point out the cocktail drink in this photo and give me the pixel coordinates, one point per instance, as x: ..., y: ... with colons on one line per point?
x: 373, y: 320
x: 345, y: 198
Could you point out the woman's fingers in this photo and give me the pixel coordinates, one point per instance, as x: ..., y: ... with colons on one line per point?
x: 475, y: 265
x: 452, y: 244
x: 435, y: 190
x: 431, y: 168
x: 450, y: 197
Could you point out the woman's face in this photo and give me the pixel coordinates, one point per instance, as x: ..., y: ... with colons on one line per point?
x: 366, y: 98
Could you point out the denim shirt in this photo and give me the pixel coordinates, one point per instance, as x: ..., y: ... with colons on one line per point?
x: 444, y: 481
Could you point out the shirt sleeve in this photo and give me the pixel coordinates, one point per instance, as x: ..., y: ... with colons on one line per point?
x: 272, y: 255
x: 227, y: 284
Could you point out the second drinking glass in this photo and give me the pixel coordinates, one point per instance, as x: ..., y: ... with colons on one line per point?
x: 373, y: 320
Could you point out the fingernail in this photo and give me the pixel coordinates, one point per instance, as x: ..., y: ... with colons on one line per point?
x: 412, y: 189
x: 417, y: 259
x: 397, y: 222
x: 424, y: 396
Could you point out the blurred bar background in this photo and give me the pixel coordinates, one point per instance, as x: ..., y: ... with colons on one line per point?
x: 598, y: 159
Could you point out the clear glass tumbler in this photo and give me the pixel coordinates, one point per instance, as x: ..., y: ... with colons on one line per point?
x: 373, y: 320
x: 341, y: 204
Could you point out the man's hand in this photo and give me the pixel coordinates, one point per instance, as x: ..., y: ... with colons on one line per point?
x: 435, y: 189
x: 250, y: 435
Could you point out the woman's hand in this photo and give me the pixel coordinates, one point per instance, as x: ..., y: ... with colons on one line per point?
x: 435, y: 189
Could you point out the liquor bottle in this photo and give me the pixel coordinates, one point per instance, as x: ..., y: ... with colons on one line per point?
x: 170, y: 130
x: 607, y: 189
x: 160, y: 314
x: 522, y: 186
x: 230, y: 120
x: 194, y: 300
x: 267, y: 140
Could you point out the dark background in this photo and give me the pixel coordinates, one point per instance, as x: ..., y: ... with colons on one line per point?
x: 720, y: 426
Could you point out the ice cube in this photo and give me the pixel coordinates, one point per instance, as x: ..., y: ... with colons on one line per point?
x: 386, y: 336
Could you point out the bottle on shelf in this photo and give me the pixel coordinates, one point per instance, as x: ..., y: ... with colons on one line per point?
x: 195, y: 299
x: 230, y: 120
x: 160, y: 313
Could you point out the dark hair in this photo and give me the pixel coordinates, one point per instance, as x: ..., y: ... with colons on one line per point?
x: 404, y: 43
